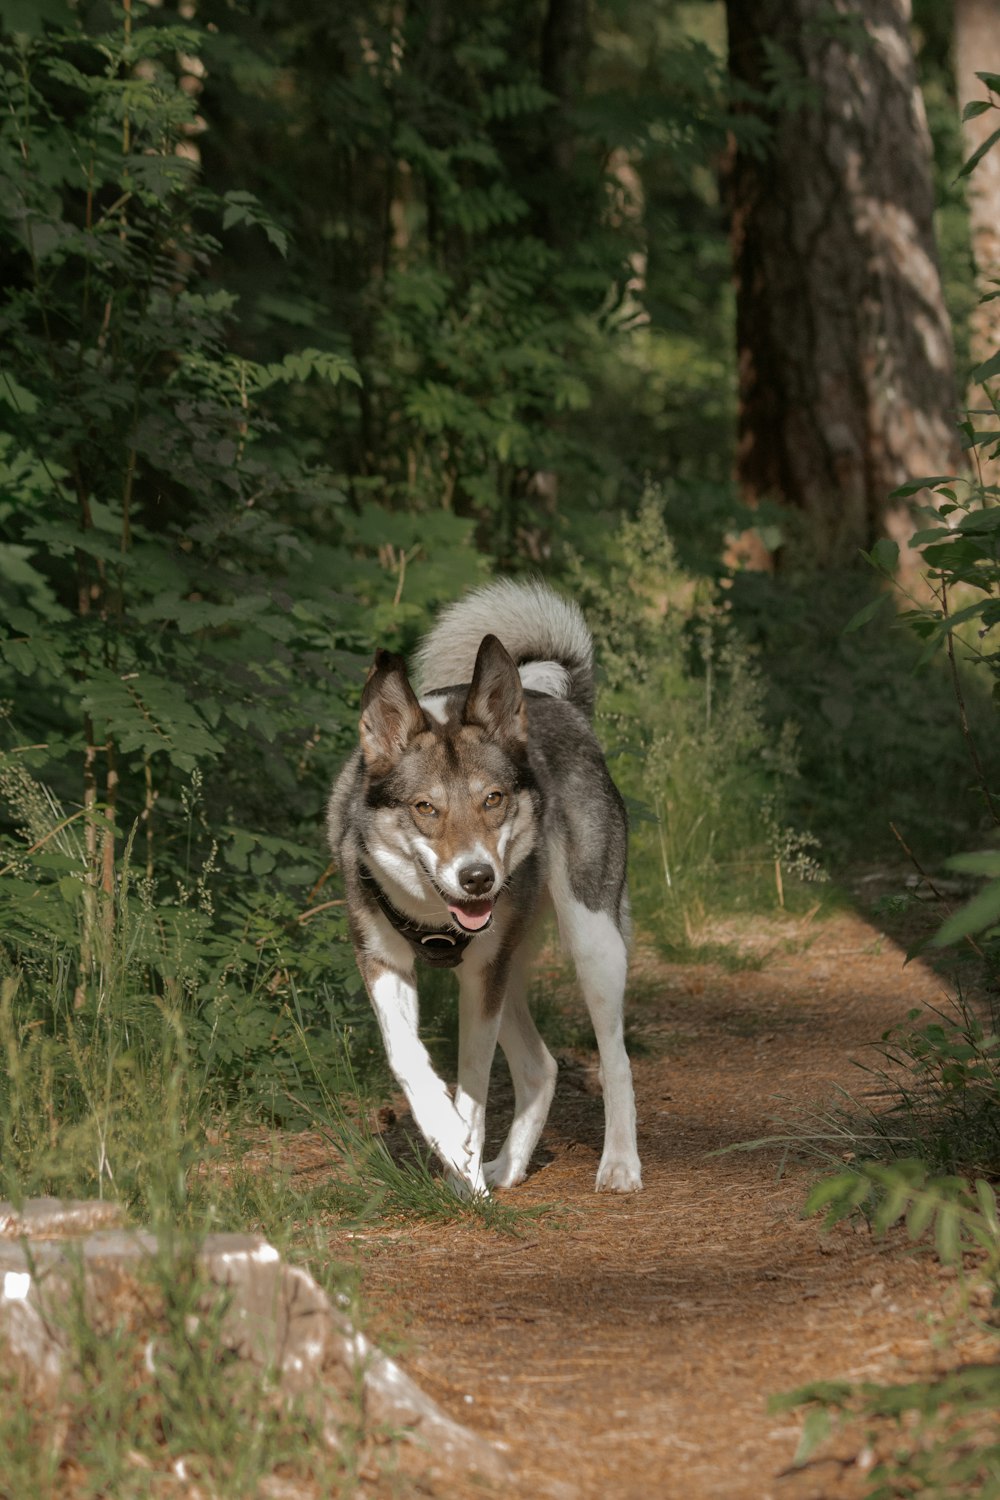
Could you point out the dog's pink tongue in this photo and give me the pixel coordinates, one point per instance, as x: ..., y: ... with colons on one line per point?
x: 473, y: 915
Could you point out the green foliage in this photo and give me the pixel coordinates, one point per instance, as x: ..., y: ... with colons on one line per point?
x: 982, y: 913
x: 960, y: 546
x: 879, y: 740
x: 933, y: 1094
x: 960, y: 549
x: 481, y: 245
x: 943, y: 1077
x: 681, y: 709
x: 934, y: 1437
x: 961, y: 1218
x: 187, y: 609
x: 375, y: 1186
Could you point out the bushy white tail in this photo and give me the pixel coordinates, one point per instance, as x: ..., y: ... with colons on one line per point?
x: 531, y: 621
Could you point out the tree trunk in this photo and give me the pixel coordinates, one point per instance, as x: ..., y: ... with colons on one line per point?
x: 846, y: 378
x: 977, y: 50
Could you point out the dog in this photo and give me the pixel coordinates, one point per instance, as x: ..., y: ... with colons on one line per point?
x: 471, y: 804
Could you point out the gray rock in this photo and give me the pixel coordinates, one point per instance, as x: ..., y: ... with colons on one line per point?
x: 273, y: 1315
x: 57, y: 1218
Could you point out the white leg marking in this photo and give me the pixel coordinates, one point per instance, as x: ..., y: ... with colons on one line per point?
x: 601, y: 959
x: 394, y: 1000
x: 477, y: 1040
x: 533, y: 1072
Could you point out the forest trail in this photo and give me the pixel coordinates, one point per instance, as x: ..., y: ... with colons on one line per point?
x: 629, y: 1348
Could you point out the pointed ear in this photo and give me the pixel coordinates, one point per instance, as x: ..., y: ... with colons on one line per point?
x: 390, y: 714
x: 496, y: 699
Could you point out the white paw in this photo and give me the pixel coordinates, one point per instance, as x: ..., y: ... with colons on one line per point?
x: 619, y: 1174
x: 501, y: 1173
x: 468, y: 1188
x: 462, y: 1160
x: 450, y: 1137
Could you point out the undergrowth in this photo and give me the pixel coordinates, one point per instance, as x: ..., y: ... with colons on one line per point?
x: 934, y: 1436
x: 153, y: 1400
x: 926, y: 1157
x: 682, y: 714
x: 931, y: 1090
x: 918, y: 1149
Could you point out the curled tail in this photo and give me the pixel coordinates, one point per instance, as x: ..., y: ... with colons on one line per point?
x: 544, y: 633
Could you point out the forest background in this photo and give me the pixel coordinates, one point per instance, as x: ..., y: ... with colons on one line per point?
x: 311, y: 320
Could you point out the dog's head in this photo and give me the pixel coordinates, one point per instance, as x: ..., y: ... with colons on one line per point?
x: 448, y: 791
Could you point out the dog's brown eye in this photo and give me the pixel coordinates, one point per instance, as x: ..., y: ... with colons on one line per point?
x: 494, y: 799
x: 425, y: 809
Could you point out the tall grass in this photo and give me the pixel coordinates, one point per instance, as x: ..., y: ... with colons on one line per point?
x: 682, y: 713
x: 151, y: 1400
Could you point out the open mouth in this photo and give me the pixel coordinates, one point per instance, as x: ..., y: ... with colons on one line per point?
x: 472, y: 916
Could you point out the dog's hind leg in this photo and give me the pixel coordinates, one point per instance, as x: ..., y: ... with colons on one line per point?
x: 600, y: 956
x: 533, y: 1073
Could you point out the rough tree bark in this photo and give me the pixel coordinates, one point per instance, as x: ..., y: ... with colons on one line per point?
x: 846, y: 377
x: 977, y: 50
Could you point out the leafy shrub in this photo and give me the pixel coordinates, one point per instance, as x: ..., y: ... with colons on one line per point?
x: 934, y: 1437
x: 189, y: 604
x: 960, y: 548
x: 681, y: 708
x: 937, y: 1437
x: 472, y: 220
x: 960, y: 542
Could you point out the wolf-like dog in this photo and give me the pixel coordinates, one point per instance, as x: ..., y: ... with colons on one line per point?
x: 470, y: 805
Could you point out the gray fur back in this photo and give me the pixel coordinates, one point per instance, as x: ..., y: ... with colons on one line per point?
x: 530, y: 620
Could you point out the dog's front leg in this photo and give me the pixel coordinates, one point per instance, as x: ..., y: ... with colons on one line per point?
x: 394, y: 1000
x: 479, y: 1007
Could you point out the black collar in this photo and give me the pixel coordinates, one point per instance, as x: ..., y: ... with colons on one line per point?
x: 441, y: 947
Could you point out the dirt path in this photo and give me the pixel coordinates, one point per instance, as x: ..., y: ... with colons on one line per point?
x: 630, y: 1350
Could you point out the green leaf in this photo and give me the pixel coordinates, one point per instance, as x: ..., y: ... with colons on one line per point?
x: 979, y: 153
x: 521, y: 98
x: 20, y: 656
x: 71, y: 887
x: 975, y: 107
x: 913, y: 485
x: 868, y: 612
x: 988, y: 1206
x: 920, y: 1214
x: 815, y: 1429
x: 830, y: 1190
x: 987, y: 369
x: 30, y: 17
x: 151, y: 714
x: 977, y: 862
x: 13, y: 394
x: 981, y: 912
x: 946, y: 1236
x: 244, y: 208
x: 895, y: 1203
x: 884, y: 555
x: 325, y: 364
x: 929, y: 536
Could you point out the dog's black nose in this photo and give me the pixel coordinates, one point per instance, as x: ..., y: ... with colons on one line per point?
x: 476, y: 879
